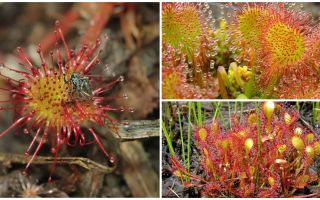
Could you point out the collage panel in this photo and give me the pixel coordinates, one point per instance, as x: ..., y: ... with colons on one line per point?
x: 86, y: 112
x: 79, y: 99
x: 249, y: 149
x: 241, y: 149
x: 240, y: 50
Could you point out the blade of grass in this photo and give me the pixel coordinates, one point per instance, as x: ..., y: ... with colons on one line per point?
x: 241, y: 110
x: 229, y: 112
x: 181, y: 137
x: 217, y: 107
x: 317, y: 112
x: 199, y: 106
x: 189, y: 138
x: 193, y: 106
x: 257, y: 104
x: 221, y: 118
x: 313, y: 113
x: 168, y: 138
x: 298, y: 106
x: 168, y: 113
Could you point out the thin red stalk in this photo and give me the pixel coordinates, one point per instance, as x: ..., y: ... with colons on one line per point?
x: 81, y: 109
x: 110, y: 85
x: 33, y: 140
x: 108, y: 108
x: 54, y: 165
x: 101, y: 99
x: 24, y: 57
x: 25, y: 74
x: 111, y: 159
x: 82, y: 140
x: 43, y: 62
x: 42, y: 141
x: 63, y: 40
x: 15, y: 124
x: 61, y: 68
x: 69, y: 135
x: 52, y: 62
x: 92, y: 62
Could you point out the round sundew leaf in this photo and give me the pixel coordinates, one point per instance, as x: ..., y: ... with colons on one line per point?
x: 251, y: 23
x: 287, y: 44
x: 182, y: 27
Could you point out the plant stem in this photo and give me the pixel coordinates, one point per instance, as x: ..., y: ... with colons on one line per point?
x: 189, y: 138
x: 221, y: 117
x: 298, y: 106
x: 216, y: 111
x: 259, y: 145
x: 313, y: 113
x: 317, y: 109
x: 193, y: 106
x: 168, y: 113
x: 241, y: 110
x: 168, y: 138
x: 199, y: 106
x: 181, y: 137
x: 229, y: 112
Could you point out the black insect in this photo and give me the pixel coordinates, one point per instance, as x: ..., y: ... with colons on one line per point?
x: 80, y: 88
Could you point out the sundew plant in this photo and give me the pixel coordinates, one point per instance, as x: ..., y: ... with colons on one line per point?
x: 54, y: 100
x: 240, y: 50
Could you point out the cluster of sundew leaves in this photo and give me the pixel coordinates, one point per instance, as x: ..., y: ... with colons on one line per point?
x: 277, y: 41
x: 284, y: 40
x: 188, y: 43
x: 267, y: 154
x: 176, y: 80
x: 197, y: 74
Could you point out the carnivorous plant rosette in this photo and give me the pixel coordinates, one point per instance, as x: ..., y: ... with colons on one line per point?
x: 54, y: 100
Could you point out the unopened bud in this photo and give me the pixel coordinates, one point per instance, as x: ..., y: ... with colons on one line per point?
x: 271, y: 181
x: 316, y: 147
x: 310, y: 137
x: 297, y: 143
x: 268, y: 108
x: 282, y: 148
x: 252, y: 119
x: 248, y: 144
x: 310, y: 152
x: 225, y: 144
x: 214, y: 127
x: 203, y: 134
x: 287, y: 118
x: 298, y: 131
x: 243, y: 133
